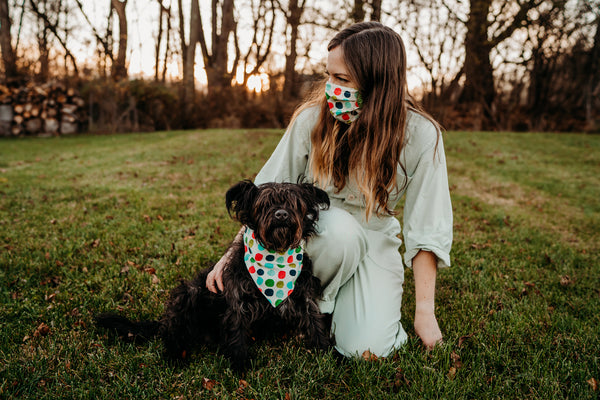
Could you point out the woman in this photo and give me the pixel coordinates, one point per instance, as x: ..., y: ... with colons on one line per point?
x: 367, y: 145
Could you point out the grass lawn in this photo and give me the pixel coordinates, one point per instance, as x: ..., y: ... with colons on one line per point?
x: 103, y: 223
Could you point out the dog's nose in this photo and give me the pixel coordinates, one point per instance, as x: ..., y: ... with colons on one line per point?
x: 281, y: 215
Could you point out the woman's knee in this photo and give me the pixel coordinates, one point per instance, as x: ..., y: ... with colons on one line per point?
x: 339, y: 235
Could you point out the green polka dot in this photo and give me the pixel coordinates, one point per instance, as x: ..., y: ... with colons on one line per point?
x: 270, y: 282
x: 278, y: 302
x: 279, y: 284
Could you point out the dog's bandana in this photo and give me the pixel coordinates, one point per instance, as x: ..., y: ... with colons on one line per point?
x: 273, y: 272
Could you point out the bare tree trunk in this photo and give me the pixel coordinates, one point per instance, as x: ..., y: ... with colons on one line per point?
x: 215, y: 63
x: 189, y: 88
x: 290, y: 86
x: 358, y: 11
x: 119, y: 68
x: 594, y: 78
x: 158, y: 40
x: 376, y: 5
x: 8, y: 54
x: 167, y: 46
x: 479, y: 85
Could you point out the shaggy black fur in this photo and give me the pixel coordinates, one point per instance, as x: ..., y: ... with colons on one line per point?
x: 281, y: 215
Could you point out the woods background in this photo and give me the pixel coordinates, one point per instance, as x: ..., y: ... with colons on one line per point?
x: 479, y: 64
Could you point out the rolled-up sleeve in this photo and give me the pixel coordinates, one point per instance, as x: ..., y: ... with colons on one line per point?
x: 427, y: 208
x: 290, y: 158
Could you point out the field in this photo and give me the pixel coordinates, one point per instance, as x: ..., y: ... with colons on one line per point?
x: 104, y: 223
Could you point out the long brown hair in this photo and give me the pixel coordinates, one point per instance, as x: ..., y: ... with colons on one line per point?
x: 368, y: 150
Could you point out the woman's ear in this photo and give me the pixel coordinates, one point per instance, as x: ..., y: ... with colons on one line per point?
x: 239, y: 199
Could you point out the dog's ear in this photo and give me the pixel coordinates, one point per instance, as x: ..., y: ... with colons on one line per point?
x: 319, y: 195
x: 239, y: 199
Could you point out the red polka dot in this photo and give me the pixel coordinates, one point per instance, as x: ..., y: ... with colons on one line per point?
x: 245, y: 248
x: 290, y: 292
x: 258, y: 257
x: 337, y: 91
x: 253, y: 235
x: 252, y: 269
x: 330, y: 104
x: 290, y: 259
x: 345, y: 117
x: 281, y: 274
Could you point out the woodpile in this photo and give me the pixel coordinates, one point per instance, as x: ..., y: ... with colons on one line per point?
x: 42, y: 110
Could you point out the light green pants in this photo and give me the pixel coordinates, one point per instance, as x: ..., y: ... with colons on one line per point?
x: 362, y: 274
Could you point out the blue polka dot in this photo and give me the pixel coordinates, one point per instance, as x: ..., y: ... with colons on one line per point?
x: 347, y: 93
x: 299, y: 257
x: 269, y: 292
x: 260, y: 272
x: 339, y: 105
x: 293, y: 272
x: 270, y: 257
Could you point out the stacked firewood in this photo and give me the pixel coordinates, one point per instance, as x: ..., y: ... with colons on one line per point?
x: 45, y: 110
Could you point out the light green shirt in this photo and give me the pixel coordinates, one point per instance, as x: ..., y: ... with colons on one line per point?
x: 427, y: 211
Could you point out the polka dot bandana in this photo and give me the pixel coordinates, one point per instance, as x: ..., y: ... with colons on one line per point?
x: 344, y: 103
x: 273, y: 272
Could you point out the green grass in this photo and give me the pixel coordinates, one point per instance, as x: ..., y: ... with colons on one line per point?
x: 98, y: 223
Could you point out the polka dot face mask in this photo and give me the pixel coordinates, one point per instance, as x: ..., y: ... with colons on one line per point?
x: 344, y: 103
x: 273, y: 272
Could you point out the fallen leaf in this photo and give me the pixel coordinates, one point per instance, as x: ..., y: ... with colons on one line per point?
x: 242, y: 386
x: 155, y: 280
x: 593, y: 383
x: 42, y: 330
x: 451, y: 373
x: 565, y: 280
x: 150, y: 270
x: 209, y: 384
x: 462, y: 339
x: 147, y: 218
x: 368, y: 356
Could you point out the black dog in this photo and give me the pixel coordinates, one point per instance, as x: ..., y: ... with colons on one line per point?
x: 281, y: 216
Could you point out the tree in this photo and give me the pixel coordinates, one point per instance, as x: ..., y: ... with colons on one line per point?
x: 50, y: 17
x: 163, y: 14
x: 216, y: 58
x: 293, y: 14
x: 8, y: 54
x: 188, y: 52
x: 263, y: 30
x: 119, y: 68
x: 481, y: 39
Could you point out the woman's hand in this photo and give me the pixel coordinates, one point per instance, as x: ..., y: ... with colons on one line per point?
x: 214, y: 280
x: 427, y: 328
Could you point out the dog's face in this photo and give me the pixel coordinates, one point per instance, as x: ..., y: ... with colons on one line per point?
x: 281, y: 214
